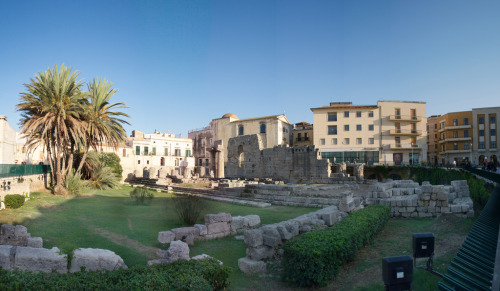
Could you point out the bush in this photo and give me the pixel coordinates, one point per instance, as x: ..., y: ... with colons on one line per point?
x: 113, y: 161
x: 141, y: 195
x: 14, y: 201
x: 74, y: 183
x: 315, y: 258
x: 189, y: 208
x: 204, y: 274
x: 104, y: 178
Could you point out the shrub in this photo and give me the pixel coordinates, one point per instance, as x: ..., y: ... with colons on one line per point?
x: 204, y: 274
x: 315, y: 258
x: 14, y: 201
x: 113, y: 161
x: 141, y: 195
x: 104, y: 178
x: 189, y: 208
x: 74, y: 183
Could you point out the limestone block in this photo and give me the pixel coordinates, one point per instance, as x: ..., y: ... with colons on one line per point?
x: 414, y: 214
x: 239, y: 224
x: 411, y: 209
x: 253, y: 220
x: 184, y: 232
x: 14, y: 235
x: 465, y: 207
x: 406, y: 214
x: 329, y: 218
x: 463, y: 193
x: 249, y: 266
x: 442, y: 196
x: 35, y: 242
x: 158, y: 261
x: 305, y: 228
x: 426, y: 183
x: 202, y: 229
x: 271, y: 236
x: 2, y: 205
x: 431, y: 209
x: 370, y: 201
x: 420, y: 203
x: 219, y: 227
x: 385, y: 194
x: 165, y: 237
x: 448, y: 189
x: 455, y: 208
x: 426, y: 188
x: 434, y: 196
x: 253, y: 237
x: 432, y: 203
x: 426, y: 197
x: 96, y: 259
x: 260, y: 253
x: 437, y: 188
x: 396, y: 192
x: 303, y: 219
x: 5, y: 258
x: 178, y: 250
x: 422, y: 209
x: 423, y: 214
x: 40, y: 260
x: 287, y: 230
x: 220, y: 217
x: 418, y: 191
x: 445, y: 209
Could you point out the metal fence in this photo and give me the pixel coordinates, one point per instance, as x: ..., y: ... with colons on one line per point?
x: 22, y: 170
x: 485, y: 174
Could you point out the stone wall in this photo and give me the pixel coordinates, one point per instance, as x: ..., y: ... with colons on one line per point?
x: 265, y: 242
x: 247, y: 158
x: 21, y: 185
x: 216, y: 226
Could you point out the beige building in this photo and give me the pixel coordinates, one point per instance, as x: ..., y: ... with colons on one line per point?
x: 210, y: 143
x: 162, y: 151
x: 455, y: 137
x: 432, y: 140
x: 302, y: 134
x: 485, y: 134
x: 7, y: 142
x: 346, y: 132
x: 391, y: 132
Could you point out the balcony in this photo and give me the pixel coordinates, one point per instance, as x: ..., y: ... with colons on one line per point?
x: 410, y: 132
x: 408, y: 118
x: 454, y: 139
x: 403, y: 146
x: 455, y: 152
x: 302, y: 139
x: 455, y: 127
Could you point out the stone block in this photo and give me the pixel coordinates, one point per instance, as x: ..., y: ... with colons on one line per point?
x: 35, y: 242
x: 426, y: 188
x: 178, y: 250
x: 14, y: 235
x: 305, y: 228
x: 165, y: 237
x: 40, y: 260
x: 445, y: 209
x: 423, y: 214
x: 465, y: 207
x: 437, y: 189
x: 287, y: 230
x: 96, y: 259
x: 239, y: 224
x: 426, y: 197
x: 184, y: 232
x: 249, y: 266
x: 422, y: 209
x: 418, y: 191
x: 329, y: 218
x: 433, y: 196
x: 271, y: 236
x: 253, y: 237
x: 454, y: 208
x: 253, y: 220
x: 405, y: 214
x: 218, y: 227
x: 442, y: 196
x: 202, y: 229
x: 411, y: 209
x: 414, y: 214
x: 220, y: 217
x: 396, y: 192
x: 431, y: 209
x: 432, y: 203
x: 452, y: 196
x: 260, y: 253
x: 5, y: 257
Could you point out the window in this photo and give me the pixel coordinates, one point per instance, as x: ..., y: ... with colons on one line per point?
x: 200, y: 162
x: 455, y: 134
x: 413, y: 114
x: 124, y: 152
x: 358, y: 127
x: 306, y: 138
x: 207, y: 162
x: 466, y: 121
x: 370, y: 127
x: 162, y: 161
x: 346, y: 127
x: 177, y: 152
x: 188, y: 153
x: 137, y: 150
x: 481, y: 120
x: 466, y: 146
x: 492, y: 119
x: 455, y: 122
x: 165, y: 151
x: 493, y: 132
x: 332, y: 130
x: 322, y: 141
x: 147, y: 162
x: 346, y: 141
x: 153, y: 151
x: 359, y: 141
x: 371, y: 140
x: 481, y: 132
x: 493, y: 144
x: 370, y: 114
x: 436, y: 126
x: 334, y: 141
x: 455, y: 146
x: 358, y: 113
x: 241, y: 130
x: 299, y: 136
x: 346, y: 113
x: 466, y: 133
x: 442, y: 124
x: 481, y: 145
x: 262, y: 128
x: 332, y: 116
x: 146, y: 150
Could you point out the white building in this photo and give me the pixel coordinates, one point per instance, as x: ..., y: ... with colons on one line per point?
x: 7, y: 142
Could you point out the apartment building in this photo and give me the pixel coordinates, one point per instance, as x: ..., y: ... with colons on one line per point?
x: 161, y: 150
x: 433, y: 140
x: 347, y: 132
x: 302, y: 134
x: 455, y: 137
x: 7, y: 142
x: 485, y: 134
x: 210, y: 143
x: 391, y: 132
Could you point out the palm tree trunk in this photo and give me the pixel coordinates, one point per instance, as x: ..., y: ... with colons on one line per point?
x: 84, y: 157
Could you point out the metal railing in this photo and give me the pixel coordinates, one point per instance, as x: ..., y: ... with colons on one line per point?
x: 8, y: 170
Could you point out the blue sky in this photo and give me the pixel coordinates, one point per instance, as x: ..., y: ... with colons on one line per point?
x: 179, y: 64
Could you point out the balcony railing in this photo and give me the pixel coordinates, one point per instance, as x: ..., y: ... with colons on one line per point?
x: 405, y: 118
x: 402, y: 146
x: 302, y: 138
x: 398, y: 131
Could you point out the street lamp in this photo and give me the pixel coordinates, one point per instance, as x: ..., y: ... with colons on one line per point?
x: 412, y: 159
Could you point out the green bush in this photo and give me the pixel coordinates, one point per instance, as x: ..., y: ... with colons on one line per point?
x: 141, y: 195
x: 189, y: 208
x: 204, y: 274
x: 315, y: 258
x: 113, y: 161
x: 14, y: 201
x: 74, y: 183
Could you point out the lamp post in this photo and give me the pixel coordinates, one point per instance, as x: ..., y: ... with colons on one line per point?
x: 470, y: 161
x: 412, y: 159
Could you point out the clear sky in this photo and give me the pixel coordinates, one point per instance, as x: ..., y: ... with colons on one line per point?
x: 180, y: 64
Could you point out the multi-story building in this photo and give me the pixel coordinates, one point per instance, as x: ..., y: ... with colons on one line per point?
x: 161, y: 150
x: 302, y: 134
x: 346, y: 132
x: 210, y: 143
x: 485, y: 134
x: 455, y: 137
x: 391, y: 132
x: 432, y: 140
x: 7, y: 142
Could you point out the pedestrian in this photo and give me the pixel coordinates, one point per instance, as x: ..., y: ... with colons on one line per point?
x: 454, y: 163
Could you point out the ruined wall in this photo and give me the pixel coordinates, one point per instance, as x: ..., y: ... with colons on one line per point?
x: 248, y: 159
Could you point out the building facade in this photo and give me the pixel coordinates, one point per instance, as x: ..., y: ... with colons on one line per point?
x: 455, y: 137
x: 433, y: 140
x: 7, y: 142
x: 485, y: 134
x: 302, y: 134
x: 210, y: 143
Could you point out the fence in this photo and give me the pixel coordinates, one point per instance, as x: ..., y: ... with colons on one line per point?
x: 22, y: 170
x: 485, y: 174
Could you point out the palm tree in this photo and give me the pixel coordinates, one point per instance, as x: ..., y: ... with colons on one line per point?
x: 104, y: 123
x: 53, y: 108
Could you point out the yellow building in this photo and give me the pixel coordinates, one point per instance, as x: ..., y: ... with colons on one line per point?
x: 433, y: 140
x: 455, y: 137
x: 302, y: 134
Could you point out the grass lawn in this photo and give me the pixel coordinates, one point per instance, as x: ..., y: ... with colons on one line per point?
x: 111, y: 220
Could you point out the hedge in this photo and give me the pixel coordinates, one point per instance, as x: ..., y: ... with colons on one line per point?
x: 315, y: 258
x: 14, y: 201
x: 206, y: 274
